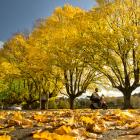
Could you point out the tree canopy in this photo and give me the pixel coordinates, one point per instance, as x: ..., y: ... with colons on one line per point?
x: 74, y: 48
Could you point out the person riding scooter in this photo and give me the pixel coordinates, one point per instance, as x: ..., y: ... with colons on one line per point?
x: 97, y: 102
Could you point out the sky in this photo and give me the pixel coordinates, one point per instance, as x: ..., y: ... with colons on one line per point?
x: 1, y: 44
x: 20, y: 15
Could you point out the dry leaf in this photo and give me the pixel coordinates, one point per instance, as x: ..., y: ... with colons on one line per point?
x: 99, y: 129
x: 5, y: 137
x: 135, y: 131
x: 63, y: 130
x: 87, y: 120
x: 52, y: 136
x: 40, y: 117
x: 91, y: 135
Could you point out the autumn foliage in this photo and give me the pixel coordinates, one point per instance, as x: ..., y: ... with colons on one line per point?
x: 70, y: 125
x: 73, y: 50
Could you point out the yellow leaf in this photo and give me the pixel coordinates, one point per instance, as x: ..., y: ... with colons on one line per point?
x: 17, y: 116
x: 66, y: 137
x: 63, y: 130
x: 134, y: 125
x: 40, y: 118
x: 71, y: 121
x: 42, y: 135
x: 91, y: 135
x: 5, y: 137
x: 87, y: 120
x: 27, y: 123
x: 52, y: 136
x: 99, y: 129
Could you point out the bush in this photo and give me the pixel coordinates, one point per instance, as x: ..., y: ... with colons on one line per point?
x: 52, y: 104
x: 63, y: 104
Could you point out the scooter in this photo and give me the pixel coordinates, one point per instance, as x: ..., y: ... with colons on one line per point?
x: 96, y: 105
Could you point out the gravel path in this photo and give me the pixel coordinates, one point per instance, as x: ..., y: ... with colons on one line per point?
x: 112, y: 134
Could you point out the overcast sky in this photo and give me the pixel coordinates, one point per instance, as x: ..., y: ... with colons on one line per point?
x: 20, y: 15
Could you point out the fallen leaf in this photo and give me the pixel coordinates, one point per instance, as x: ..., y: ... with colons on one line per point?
x: 5, y: 137
x: 52, y: 136
x: 91, y: 135
x: 63, y: 130
x: 135, y: 131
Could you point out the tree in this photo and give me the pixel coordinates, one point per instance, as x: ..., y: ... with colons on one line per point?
x: 33, y: 64
x: 116, y: 32
x: 77, y: 75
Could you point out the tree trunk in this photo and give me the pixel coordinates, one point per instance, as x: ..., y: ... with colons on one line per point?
x: 40, y: 101
x: 71, y: 102
x: 47, y: 101
x: 127, y: 101
x: 43, y: 102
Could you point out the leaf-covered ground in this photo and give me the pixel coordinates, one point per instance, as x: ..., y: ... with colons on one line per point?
x: 84, y: 124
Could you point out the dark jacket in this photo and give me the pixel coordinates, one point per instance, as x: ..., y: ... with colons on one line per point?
x: 95, y: 97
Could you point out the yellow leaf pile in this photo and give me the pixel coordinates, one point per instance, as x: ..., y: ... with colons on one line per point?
x: 67, y: 124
